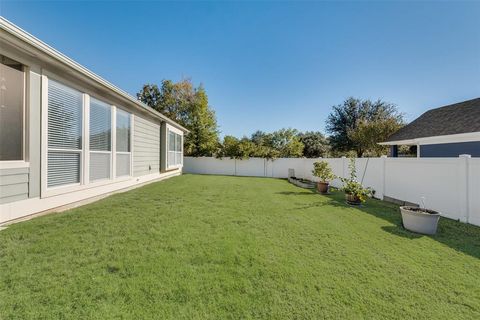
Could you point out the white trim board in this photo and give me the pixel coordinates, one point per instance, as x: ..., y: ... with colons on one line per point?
x: 25, y: 208
x: 451, y: 138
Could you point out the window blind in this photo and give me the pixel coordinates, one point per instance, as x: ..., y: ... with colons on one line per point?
x: 100, y: 140
x: 123, y: 131
x: 63, y: 168
x: 123, y: 164
x: 175, y: 147
x: 100, y: 165
x: 65, y: 112
x: 100, y: 126
x: 65, y: 121
x: 123, y: 154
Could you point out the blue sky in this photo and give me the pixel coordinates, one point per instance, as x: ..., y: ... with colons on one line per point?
x: 268, y: 65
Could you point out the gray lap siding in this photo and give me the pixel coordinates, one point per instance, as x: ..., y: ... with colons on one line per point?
x: 146, y: 146
x: 13, y: 184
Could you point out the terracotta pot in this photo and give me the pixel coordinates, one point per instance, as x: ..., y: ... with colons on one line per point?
x: 322, y: 187
x: 352, y: 199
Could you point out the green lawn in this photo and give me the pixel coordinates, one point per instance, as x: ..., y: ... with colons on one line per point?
x: 215, y: 247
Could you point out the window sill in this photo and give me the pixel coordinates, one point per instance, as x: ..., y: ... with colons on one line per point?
x: 14, y: 164
x: 61, y: 190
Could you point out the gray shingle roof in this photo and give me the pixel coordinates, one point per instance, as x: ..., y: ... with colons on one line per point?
x: 462, y: 117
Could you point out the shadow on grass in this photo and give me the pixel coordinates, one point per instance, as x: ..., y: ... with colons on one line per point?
x: 459, y: 236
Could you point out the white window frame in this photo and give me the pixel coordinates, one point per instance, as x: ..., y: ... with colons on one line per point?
x: 130, y: 153
x: 111, y: 176
x: 180, y: 133
x: 22, y: 163
x: 85, y: 152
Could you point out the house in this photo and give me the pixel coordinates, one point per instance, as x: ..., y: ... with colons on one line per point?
x: 68, y: 136
x: 447, y: 131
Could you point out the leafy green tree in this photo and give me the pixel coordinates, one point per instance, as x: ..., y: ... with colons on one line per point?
x: 228, y: 148
x: 315, y: 144
x: 260, y: 138
x: 287, y: 143
x: 188, y: 105
x: 345, y: 117
x: 201, y: 121
x: 237, y: 149
x: 367, y: 134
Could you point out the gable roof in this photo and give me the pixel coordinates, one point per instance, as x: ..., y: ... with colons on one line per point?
x: 462, y: 117
x: 31, y: 41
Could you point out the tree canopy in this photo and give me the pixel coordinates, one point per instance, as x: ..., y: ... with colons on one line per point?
x: 316, y: 145
x: 355, y: 126
x: 188, y: 105
x: 345, y: 118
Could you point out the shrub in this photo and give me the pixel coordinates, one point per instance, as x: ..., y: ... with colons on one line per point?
x: 322, y: 170
x: 353, y: 187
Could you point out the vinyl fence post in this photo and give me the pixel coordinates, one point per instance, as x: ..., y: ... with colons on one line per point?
x: 463, y: 187
x: 343, y: 166
x: 304, y: 168
x: 384, y: 178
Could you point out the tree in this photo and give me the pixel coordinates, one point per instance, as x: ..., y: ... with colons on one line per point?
x: 201, y: 121
x: 259, y: 138
x: 345, y: 117
x: 188, y: 105
x: 285, y: 142
x: 315, y: 144
x: 367, y: 134
x: 236, y: 149
x: 228, y: 148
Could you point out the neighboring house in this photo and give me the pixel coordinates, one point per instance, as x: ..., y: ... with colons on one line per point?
x: 67, y: 135
x: 447, y: 131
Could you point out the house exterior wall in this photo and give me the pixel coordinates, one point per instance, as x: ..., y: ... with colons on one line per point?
x: 445, y: 150
x: 22, y: 180
x: 23, y: 187
x: 13, y: 184
x: 146, y: 147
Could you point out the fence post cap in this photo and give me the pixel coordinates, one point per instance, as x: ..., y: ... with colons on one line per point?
x: 465, y: 156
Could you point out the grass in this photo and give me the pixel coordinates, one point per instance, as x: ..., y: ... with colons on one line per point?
x: 215, y: 247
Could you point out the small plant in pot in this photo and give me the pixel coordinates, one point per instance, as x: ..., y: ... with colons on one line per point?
x: 322, y: 170
x: 355, y: 193
x: 420, y: 220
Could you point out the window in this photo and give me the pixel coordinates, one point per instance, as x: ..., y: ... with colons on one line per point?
x: 12, y: 85
x: 87, y: 140
x: 100, y: 140
x: 123, y: 145
x: 175, y: 147
x: 65, y: 125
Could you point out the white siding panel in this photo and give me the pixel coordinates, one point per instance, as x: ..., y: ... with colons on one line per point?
x: 146, y: 147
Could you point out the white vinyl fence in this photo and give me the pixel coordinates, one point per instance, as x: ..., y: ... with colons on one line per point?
x: 449, y: 185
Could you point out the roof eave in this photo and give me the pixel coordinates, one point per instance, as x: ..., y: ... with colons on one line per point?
x: 398, y: 142
x: 60, y: 57
x: 450, y: 138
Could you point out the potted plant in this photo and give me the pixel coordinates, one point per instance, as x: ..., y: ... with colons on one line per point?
x: 355, y: 193
x: 420, y: 220
x: 322, y: 170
